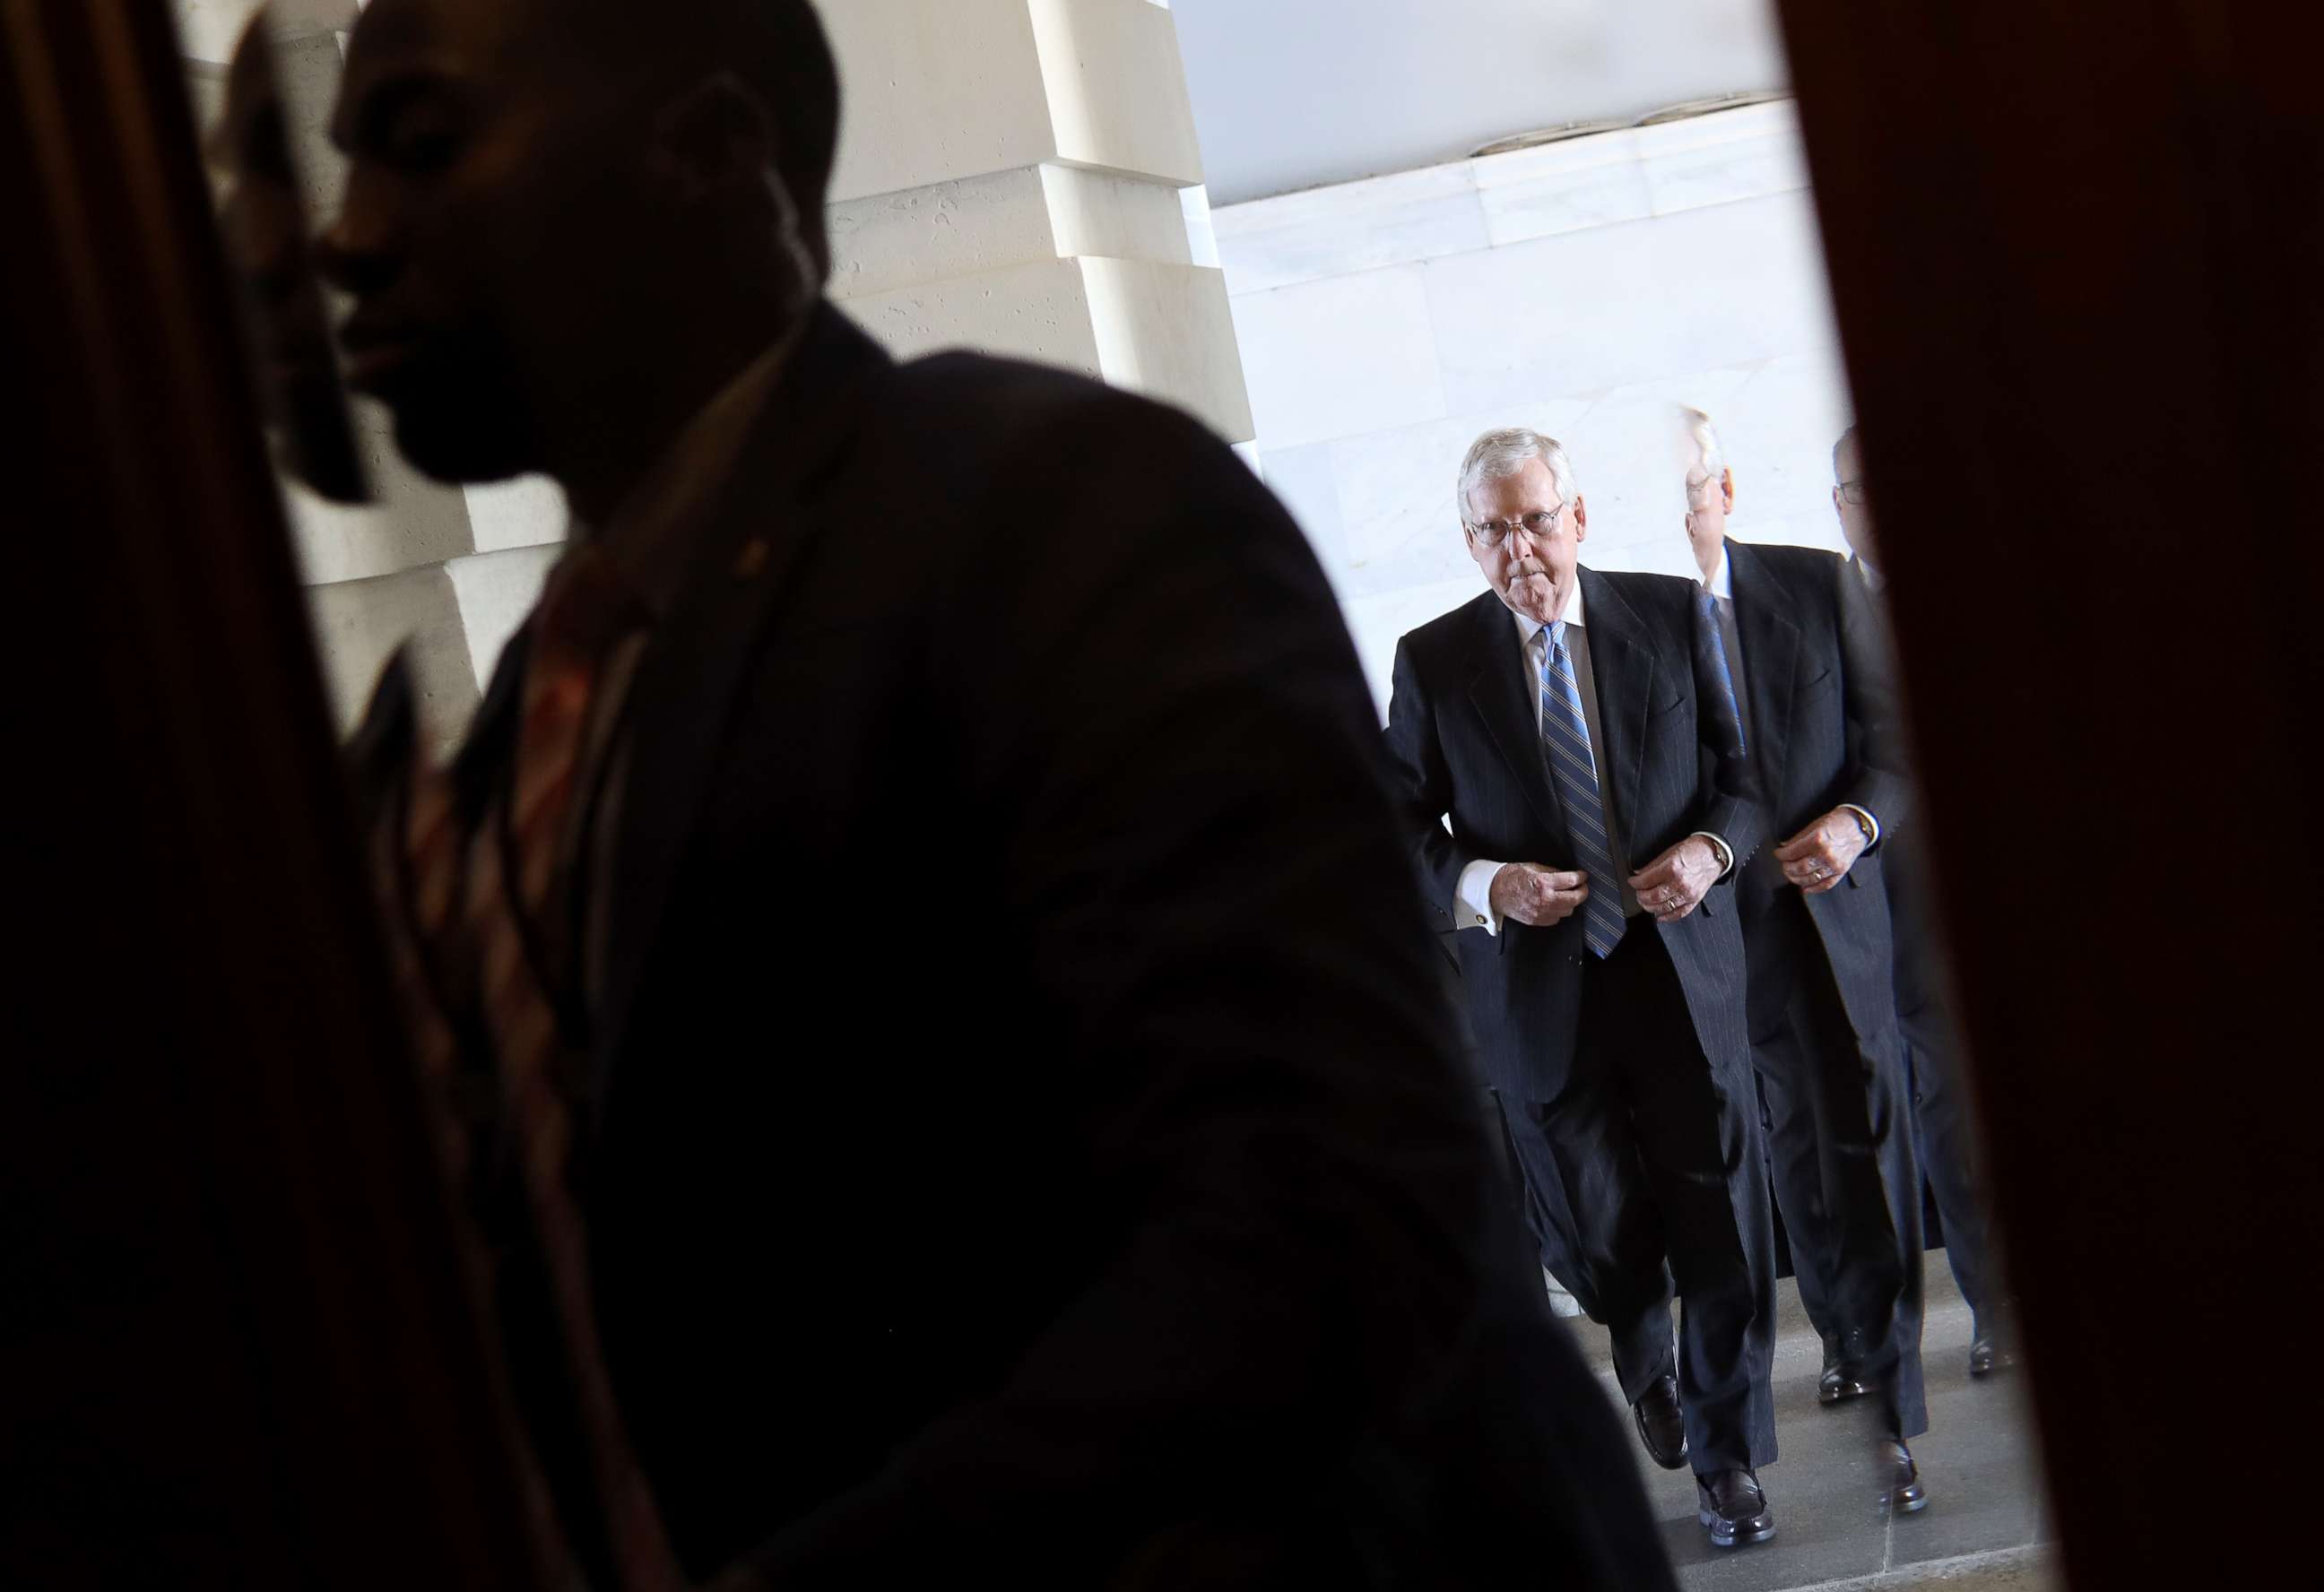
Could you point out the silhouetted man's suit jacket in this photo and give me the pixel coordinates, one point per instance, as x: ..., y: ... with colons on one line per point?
x: 1822, y: 723
x: 1025, y: 1140
x: 1465, y: 740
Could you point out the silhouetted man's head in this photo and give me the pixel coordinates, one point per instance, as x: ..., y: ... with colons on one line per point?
x: 567, y: 220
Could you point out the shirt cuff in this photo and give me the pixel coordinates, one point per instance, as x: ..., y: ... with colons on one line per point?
x: 1726, y: 852
x: 1473, y: 898
x: 1870, y: 822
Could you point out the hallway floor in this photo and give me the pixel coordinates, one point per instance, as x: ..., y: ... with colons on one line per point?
x: 1985, y: 1526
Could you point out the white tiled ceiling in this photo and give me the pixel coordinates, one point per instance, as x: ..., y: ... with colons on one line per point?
x: 1290, y: 94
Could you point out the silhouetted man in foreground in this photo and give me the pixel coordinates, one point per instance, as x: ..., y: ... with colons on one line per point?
x: 919, y: 963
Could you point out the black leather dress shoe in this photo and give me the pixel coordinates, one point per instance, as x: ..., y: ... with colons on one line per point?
x: 1661, y: 1427
x: 1732, y: 1508
x: 1840, y: 1381
x: 1901, y: 1492
x: 1985, y: 1353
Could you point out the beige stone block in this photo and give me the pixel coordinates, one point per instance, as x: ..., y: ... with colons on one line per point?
x: 208, y: 29
x: 411, y: 521
x: 1165, y: 331
x: 496, y: 591
x: 1004, y: 218
x: 939, y: 90
x: 1039, y: 311
x: 358, y: 626
x: 1117, y: 87
x: 934, y: 90
x: 529, y: 511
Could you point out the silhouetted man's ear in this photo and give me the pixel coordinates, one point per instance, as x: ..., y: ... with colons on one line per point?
x: 715, y: 135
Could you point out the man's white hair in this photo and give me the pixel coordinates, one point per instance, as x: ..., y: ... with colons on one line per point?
x: 1498, y: 455
x: 1706, y: 460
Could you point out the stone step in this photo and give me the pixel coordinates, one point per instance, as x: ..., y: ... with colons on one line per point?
x: 2008, y: 1569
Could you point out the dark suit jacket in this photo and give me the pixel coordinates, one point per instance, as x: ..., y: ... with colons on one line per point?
x: 1823, y: 732
x: 1922, y: 1000
x: 1463, y: 739
x: 1025, y: 1140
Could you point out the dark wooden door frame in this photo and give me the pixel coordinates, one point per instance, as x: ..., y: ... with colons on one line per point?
x: 2077, y: 254
x: 238, y: 1351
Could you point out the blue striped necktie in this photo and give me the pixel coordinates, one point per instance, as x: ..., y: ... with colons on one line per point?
x: 1712, y: 636
x: 1565, y: 736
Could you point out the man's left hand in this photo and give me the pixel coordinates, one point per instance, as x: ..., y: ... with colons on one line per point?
x: 1819, y: 856
x: 1673, y: 884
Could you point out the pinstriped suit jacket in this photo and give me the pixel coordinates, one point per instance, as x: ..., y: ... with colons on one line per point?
x: 1824, y: 730
x: 1464, y: 745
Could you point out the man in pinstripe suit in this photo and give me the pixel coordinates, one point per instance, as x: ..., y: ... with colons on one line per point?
x: 1818, y: 710
x: 1575, y: 728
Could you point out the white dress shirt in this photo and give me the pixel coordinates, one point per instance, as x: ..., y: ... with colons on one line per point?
x: 1473, y: 903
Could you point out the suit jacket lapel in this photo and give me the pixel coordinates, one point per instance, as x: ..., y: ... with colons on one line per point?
x: 1770, y: 637
x: 679, y: 705
x: 1498, y: 687
x: 1622, y: 659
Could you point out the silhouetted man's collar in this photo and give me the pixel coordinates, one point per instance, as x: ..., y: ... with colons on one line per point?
x: 651, y: 538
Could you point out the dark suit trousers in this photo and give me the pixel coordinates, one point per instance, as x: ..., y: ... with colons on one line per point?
x: 1649, y: 1151
x: 1840, y: 1133
x: 1947, y: 1138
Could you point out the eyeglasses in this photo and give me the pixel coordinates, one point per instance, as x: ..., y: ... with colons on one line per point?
x: 1853, y: 492
x: 1537, y: 526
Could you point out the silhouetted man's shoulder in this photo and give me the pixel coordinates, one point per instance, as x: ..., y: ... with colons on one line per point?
x: 1006, y: 408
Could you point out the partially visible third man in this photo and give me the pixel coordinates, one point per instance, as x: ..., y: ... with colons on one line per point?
x: 1818, y: 711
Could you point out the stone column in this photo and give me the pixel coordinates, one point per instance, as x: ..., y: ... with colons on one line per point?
x: 1021, y: 177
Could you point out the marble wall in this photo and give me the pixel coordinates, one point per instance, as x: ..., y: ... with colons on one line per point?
x: 1582, y: 289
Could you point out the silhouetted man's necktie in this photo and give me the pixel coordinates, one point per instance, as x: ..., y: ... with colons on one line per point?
x: 482, y: 952
x: 1565, y: 734
x: 524, y: 960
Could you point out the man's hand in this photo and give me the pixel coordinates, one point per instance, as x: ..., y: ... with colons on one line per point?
x: 1673, y: 884
x: 1819, y: 856
x: 1537, y: 898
